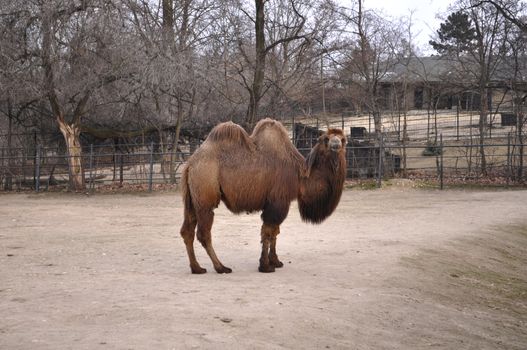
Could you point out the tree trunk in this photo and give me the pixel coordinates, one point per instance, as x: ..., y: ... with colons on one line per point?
x: 174, y: 151
x: 377, y: 121
x: 168, y: 24
x: 519, y: 128
x: 483, y: 114
x: 368, y: 71
x: 71, y: 135
x: 255, y: 92
x: 8, y: 185
x: 323, y: 83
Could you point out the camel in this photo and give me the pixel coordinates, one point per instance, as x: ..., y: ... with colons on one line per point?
x: 261, y: 172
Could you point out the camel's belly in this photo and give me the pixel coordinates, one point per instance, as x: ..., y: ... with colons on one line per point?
x: 241, y: 202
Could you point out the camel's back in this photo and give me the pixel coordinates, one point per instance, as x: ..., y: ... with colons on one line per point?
x: 247, y: 172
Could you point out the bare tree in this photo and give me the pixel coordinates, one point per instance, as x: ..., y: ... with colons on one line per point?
x: 295, y: 31
x: 514, y: 68
x: 477, y: 38
x: 508, y: 9
x: 370, y: 55
x: 16, y: 100
x: 74, y: 45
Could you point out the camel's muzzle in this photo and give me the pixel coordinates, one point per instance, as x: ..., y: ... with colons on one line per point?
x: 335, y: 144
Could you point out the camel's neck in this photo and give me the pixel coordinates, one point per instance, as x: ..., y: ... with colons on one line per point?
x: 320, y: 192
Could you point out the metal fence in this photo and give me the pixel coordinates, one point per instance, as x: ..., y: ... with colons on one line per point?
x: 440, y: 151
x: 441, y: 147
x: 43, y: 168
x: 147, y: 168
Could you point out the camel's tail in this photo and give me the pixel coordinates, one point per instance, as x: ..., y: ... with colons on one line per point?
x: 185, y: 191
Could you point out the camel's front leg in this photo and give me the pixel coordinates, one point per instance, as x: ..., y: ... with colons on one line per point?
x: 268, y: 259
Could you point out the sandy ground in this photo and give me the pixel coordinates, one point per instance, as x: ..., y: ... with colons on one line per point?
x: 392, y: 269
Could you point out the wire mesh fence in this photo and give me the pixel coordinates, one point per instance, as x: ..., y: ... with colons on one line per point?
x: 441, y: 149
x: 47, y: 167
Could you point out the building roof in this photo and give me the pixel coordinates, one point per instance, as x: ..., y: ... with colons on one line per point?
x: 430, y: 69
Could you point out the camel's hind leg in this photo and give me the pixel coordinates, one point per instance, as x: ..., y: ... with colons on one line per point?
x: 188, y: 232
x: 205, y: 219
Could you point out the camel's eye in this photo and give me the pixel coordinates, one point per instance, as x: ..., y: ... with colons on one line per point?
x: 326, y: 140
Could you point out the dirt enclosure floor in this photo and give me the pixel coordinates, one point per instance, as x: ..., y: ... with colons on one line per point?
x: 397, y: 268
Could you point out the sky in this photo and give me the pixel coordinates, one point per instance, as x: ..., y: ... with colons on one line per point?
x: 424, y: 16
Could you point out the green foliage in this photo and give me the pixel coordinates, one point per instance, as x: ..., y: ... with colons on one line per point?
x: 432, y: 149
x: 456, y: 34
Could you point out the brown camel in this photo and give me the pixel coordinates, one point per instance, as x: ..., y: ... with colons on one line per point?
x: 264, y: 172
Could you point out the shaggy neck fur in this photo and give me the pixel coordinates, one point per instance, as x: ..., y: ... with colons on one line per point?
x: 320, y: 191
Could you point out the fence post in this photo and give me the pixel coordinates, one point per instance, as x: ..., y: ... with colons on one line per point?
x: 151, y: 174
x: 381, y: 151
x: 441, y: 159
x: 508, y: 174
x: 37, y: 169
x: 457, y: 120
x: 121, y: 166
x: 91, y: 168
x: 294, y: 131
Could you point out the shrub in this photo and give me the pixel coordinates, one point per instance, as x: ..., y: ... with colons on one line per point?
x: 432, y: 149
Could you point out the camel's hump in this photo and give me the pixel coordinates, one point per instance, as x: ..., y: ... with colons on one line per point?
x: 230, y: 132
x: 271, y: 137
x: 270, y: 128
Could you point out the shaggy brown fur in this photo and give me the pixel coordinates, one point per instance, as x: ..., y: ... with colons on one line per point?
x: 264, y: 172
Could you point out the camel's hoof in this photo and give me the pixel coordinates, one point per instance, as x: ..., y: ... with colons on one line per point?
x: 266, y: 269
x: 277, y: 263
x: 223, y: 269
x: 198, y: 270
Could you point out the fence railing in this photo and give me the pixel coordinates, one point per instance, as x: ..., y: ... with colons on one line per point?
x: 149, y: 166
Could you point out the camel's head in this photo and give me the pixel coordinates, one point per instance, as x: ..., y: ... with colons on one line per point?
x: 333, y: 140
x: 330, y: 149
